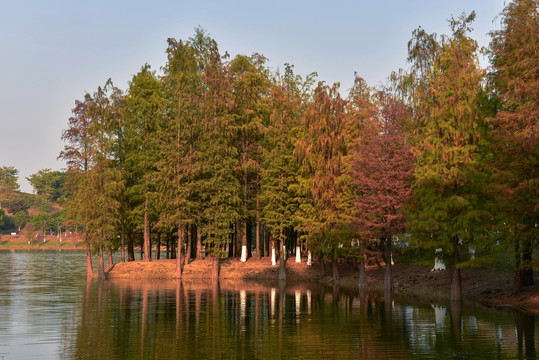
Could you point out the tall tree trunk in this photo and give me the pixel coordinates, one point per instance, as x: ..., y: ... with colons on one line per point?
x: 147, y: 251
x: 111, y: 261
x: 517, y: 283
x: 362, y: 274
x: 89, y: 268
x: 243, y: 229
x: 101, y: 268
x: 189, y: 242
x: 130, y: 248
x: 388, y: 278
x: 122, y: 238
x: 282, y: 259
x: 259, y: 246
x: 273, y: 255
x: 456, y: 287
x: 527, y: 257
x: 199, y: 241
x: 158, y: 247
x: 179, y: 256
x: 265, y: 242
x: 298, y: 248
x: 215, y: 269
x: 322, y: 266
x: 336, y: 275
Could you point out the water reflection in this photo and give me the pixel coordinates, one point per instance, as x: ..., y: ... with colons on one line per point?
x: 147, y: 320
x: 49, y: 311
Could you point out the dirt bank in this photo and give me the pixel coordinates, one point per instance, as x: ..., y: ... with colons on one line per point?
x: 479, y: 285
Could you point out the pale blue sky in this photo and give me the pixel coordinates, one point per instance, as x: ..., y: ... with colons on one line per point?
x: 53, y: 51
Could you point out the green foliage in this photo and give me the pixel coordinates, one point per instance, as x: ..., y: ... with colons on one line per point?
x: 515, y: 139
x: 8, y: 182
x: 20, y: 219
x: 323, y: 154
x: 6, y: 222
x: 449, y: 195
x: 51, y: 185
x: 17, y: 204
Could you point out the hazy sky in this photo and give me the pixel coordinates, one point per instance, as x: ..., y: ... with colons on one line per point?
x: 54, y: 51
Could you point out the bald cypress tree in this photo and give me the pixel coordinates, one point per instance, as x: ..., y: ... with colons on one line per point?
x: 324, y: 157
x: 250, y: 83
x: 217, y: 183
x: 448, y: 207
x: 179, y: 135
x: 90, y: 156
x: 515, y: 131
x: 144, y: 109
x: 382, y: 169
x: 76, y: 154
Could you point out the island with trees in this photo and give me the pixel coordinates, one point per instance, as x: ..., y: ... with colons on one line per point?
x: 218, y: 158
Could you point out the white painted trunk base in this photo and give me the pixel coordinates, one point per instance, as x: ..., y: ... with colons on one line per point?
x: 243, y: 253
x: 438, y: 261
x: 309, y: 259
x: 298, y: 254
x: 273, y: 261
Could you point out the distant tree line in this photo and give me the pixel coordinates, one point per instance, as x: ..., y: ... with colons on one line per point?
x: 224, y: 157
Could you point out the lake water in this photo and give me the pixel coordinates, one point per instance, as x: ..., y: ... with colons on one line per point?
x: 49, y: 311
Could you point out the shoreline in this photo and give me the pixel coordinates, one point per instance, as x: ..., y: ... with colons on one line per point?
x: 410, y: 280
x: 486, y: 287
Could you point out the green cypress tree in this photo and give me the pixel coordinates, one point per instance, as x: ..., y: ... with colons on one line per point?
x: 251, y: 82
x: 515, y: 131
x: 324, y: 156
x: 144, y: 109
x: 447, y: 210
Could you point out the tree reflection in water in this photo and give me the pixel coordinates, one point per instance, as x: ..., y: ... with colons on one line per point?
x: 189, y: 320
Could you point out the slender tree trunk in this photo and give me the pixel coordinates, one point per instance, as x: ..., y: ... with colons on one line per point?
x: 243, y: 240
x: 298, y: 248
x: 388, y: 278
x: 259, y: 246
x: 282, y: 259
x: 147, y: 251
x: 527, y: 257
x: 122, y: 238
x: 199, y: 241
x: 89, y: 268
x: 189, y: 241
x: 273, y: 256
x: 130, y: 248
x: 158, y: 247
x: 101, y: 269
x: 336, y: 275
x: 456, y: 287
x: 111, y: 261
x: 265, y: 248
x: 179, y: 256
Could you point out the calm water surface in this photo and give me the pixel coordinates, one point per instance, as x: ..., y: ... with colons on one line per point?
x: 48, y: 311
